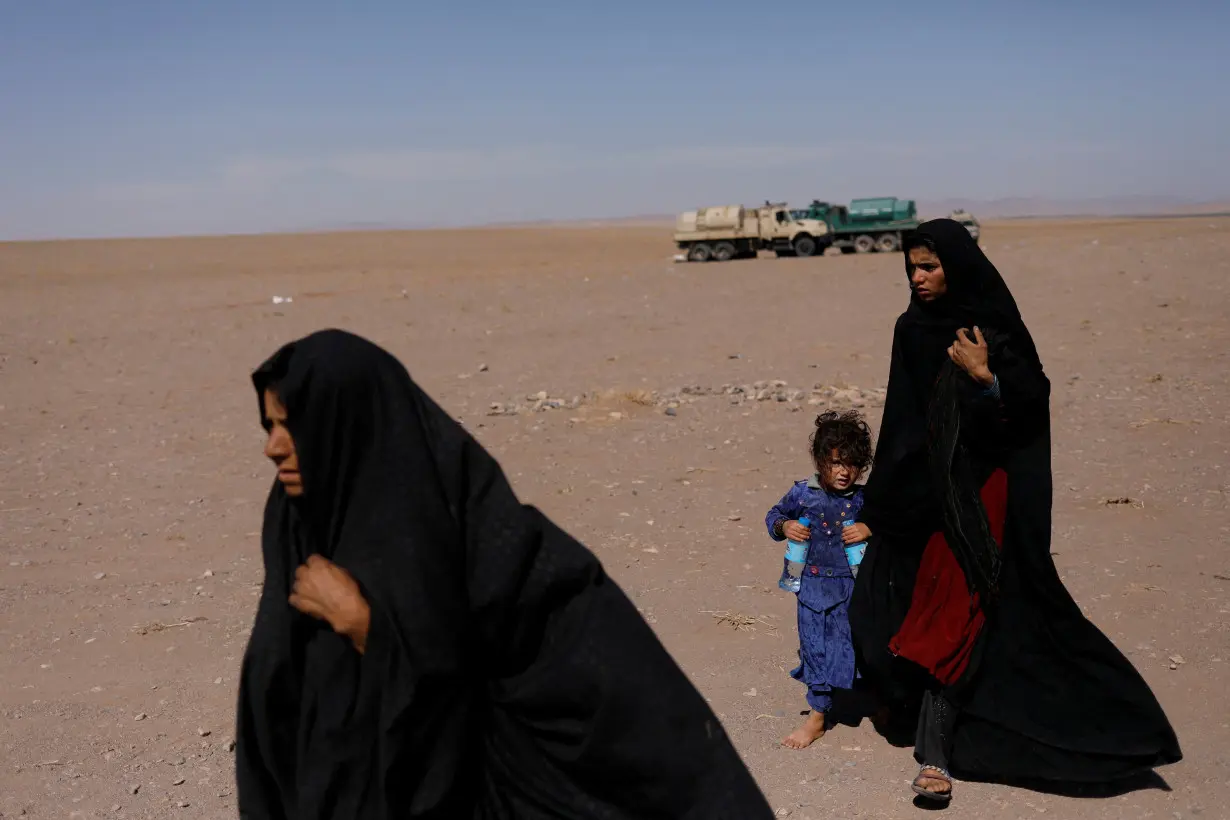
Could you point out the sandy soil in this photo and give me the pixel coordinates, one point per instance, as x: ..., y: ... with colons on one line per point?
x: 133, y: 478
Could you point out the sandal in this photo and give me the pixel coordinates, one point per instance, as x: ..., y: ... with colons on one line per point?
x: 933, y: 773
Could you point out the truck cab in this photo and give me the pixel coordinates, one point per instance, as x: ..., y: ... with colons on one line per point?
x: 789, y: 234
x: 967, y: 219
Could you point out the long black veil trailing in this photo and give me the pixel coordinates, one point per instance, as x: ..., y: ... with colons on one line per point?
x: 958, y: 471
x: 1049, y: 697
x: 505, y: 675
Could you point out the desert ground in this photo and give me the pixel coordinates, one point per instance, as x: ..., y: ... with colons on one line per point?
x: 133, y: 479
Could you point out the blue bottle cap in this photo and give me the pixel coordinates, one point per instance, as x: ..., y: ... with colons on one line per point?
x: 805, y: 521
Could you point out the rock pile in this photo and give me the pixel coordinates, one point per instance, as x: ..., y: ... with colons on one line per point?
x: 821, y: 395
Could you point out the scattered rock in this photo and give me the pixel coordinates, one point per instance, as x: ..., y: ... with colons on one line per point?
x: 229, y: 745
x: 204, y: 732
x: 134, y: 789
x: 140, y: 716
x: 209, y: 573
x: 671, y: 411
x: 482, y: 368
x: 763, y: 390
x: 99, y: 576
x: 179, y: 781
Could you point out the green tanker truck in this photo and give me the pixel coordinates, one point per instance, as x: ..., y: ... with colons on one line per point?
x: 866, y: 225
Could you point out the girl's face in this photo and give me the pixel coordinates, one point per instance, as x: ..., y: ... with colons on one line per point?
x: 927, y: 274
x: 280, y: 447
x: 837, y: 474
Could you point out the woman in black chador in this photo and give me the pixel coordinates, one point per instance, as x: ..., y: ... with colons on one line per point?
x: 957, y: 598
x: 428, y: 647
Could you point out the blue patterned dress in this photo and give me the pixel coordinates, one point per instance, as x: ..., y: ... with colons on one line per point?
x: 826, y: 652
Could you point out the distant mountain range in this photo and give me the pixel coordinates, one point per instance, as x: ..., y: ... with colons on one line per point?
x: 1024, y: 207
x: 1006, y: 208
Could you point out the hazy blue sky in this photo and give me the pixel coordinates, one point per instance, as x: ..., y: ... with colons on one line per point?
x: 171, y: 116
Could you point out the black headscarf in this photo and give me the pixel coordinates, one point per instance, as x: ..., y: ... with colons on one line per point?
x: 504, y: 675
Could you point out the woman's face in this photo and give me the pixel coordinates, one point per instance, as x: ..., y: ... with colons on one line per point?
x: 280, y: 447
x: 927, y: 274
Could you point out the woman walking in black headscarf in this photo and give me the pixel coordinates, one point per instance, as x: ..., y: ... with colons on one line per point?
x: 958, y: 598
x: 428, y: 647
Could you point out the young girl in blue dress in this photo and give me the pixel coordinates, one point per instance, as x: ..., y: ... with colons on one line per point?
x: 841, y: 451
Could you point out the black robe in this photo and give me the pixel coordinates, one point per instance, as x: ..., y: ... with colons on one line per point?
x: 505, y: 675
x: 1047, y: 697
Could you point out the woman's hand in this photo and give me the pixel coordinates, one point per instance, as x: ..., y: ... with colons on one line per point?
x: 327, y: 592
x: 795, y: 531
x: 855, y: 534
x: 972, y: 356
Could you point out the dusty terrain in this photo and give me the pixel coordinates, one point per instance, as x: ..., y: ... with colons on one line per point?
x: 133, y: 479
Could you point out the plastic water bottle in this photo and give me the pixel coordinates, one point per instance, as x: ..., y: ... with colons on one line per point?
x: 854, y: 552
x: 796, y: 558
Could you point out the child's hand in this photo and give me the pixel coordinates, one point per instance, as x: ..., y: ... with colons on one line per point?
x: 855, y: 533
x: 796, y: 531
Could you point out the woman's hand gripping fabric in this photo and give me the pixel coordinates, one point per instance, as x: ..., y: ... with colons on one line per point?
x: 970, y: 354
x: 328, y: 593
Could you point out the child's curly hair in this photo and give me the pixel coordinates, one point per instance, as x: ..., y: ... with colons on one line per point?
x: 848, y: 434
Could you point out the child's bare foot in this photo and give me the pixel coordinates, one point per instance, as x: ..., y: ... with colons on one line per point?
x: 807, y: 734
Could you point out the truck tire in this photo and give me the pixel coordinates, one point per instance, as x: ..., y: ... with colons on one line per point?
x: 700, y: 253
x: 723, y: 252
x: 804, y: 246
x: 888, y: 242
x: 863, y: 243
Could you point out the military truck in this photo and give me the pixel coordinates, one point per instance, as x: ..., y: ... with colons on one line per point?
x: 735, y: 232
x: 867, y: 225
x: 967, y: 219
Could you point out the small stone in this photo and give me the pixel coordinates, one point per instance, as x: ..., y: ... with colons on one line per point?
x: 671, y: 411
x: 734, y: 518
x: 209, y: 573
x: 134, y: 789
x: 482, y: 368
x: 179, y: 781
x: 116, y: 807
x: 230, y: 745
x: 751, y: 693
x: 218, y: 681
x: 99, y: 576
x: 183, y: 804
x: 203, y: 732
x: 616, y: 415
x: 1174, y: 666
x: 139, y: 716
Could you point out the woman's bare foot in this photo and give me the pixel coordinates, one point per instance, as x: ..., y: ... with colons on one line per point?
x: 807, y: 734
